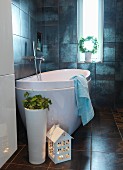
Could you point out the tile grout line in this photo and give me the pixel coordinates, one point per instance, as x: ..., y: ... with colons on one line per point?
x: 15, y: 157
x: 91, y: 149
x: 119, y: 131
x: 49, y: 166
x: 118, y: 128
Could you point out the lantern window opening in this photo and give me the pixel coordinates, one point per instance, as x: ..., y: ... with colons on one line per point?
x: 67, y: 155
x: 61, y: 157
x: 67, y: 142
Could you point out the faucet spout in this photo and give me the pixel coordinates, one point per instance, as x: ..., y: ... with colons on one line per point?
x: 42, y: 59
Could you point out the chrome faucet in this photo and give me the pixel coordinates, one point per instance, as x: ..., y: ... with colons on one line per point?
x: 34, y: 49
x: 41, y: 59
x: 34, y: 54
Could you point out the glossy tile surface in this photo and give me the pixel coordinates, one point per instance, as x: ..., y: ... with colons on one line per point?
x: 24, y: 33
x: 96, y: 146
x: 107, y: 161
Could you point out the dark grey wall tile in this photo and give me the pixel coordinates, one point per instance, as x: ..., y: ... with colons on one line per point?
x: 41, y: 29
x: 110, y: 11
x: 30, y: 47
x: 24, y: 19
x: 109, y: 32
x: 68, y: 34
x: 51, y: 35
x: 50, y: 53
x: 104, y: 94
x: 16, y: 2
x: 93, y: 91
x: 25, y: 47
x: 15, y: 20
x: 119, y: 8
x: 17, y: 49
x: 23, y: 70
x: 88, y: 66
x: 17, y: 70
x: 41, y: 16
x: 110, y: 16
x: 109, y: 5
x: 102, y: 87
x: 52, y: 3
x: 39, y: 3
x: 67, y: 15
x: 119, y: 51
x: 105, y: 71
x: 119, y: 21
x: 52, y: 66
x: 68, y: 24
x: 119, y: 93
x: 68, y: 53
x: 119, y: 71
x: 47, y: 3
x: 109, y: 52
x: 24, y: 5
x: 67, y: 2
x: 68, y: 65
x: 32, y: 29
x: 32, y: 8
x: 51, y: 15
x: 24, y: 32
x: 119, y: 31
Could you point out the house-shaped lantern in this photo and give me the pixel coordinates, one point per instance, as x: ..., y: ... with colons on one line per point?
x: 59, y: 144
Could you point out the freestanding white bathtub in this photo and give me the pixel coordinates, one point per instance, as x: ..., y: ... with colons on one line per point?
x: 57, y: 86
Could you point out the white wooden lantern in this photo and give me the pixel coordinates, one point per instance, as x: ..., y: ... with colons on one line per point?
x: 59, y: 145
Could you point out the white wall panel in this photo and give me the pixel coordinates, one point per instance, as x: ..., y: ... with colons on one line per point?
x: 8, y: 137
x: 6, y: 45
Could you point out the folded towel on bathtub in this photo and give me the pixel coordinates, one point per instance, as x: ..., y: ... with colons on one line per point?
x: 84, y: 106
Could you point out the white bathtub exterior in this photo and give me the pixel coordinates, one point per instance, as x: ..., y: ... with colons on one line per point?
x: 57, y: 86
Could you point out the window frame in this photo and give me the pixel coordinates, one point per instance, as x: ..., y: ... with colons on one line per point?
x: 100, y: 28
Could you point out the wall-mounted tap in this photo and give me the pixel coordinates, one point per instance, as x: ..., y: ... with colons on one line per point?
x: 41, y: 59
x: 34, y: 58
x: 34, y: 53
x: 34, y: 48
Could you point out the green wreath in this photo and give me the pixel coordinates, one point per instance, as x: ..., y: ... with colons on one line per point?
x: 84, y: 49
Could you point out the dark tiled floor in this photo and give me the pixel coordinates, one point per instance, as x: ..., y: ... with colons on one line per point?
x: 96, y: 146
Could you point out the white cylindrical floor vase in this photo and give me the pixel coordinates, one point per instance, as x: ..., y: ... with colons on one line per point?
x: 36, y: 124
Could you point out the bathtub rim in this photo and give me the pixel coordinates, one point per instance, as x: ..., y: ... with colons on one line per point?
x: 30, y: 82
x: 35, y: 90
x: 88, y: 76
x: 50, y: 89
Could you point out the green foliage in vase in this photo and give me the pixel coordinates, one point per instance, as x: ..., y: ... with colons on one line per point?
x: 36, y: 102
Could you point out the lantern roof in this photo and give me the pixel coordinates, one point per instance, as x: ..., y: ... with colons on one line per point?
x: 55, y: 133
